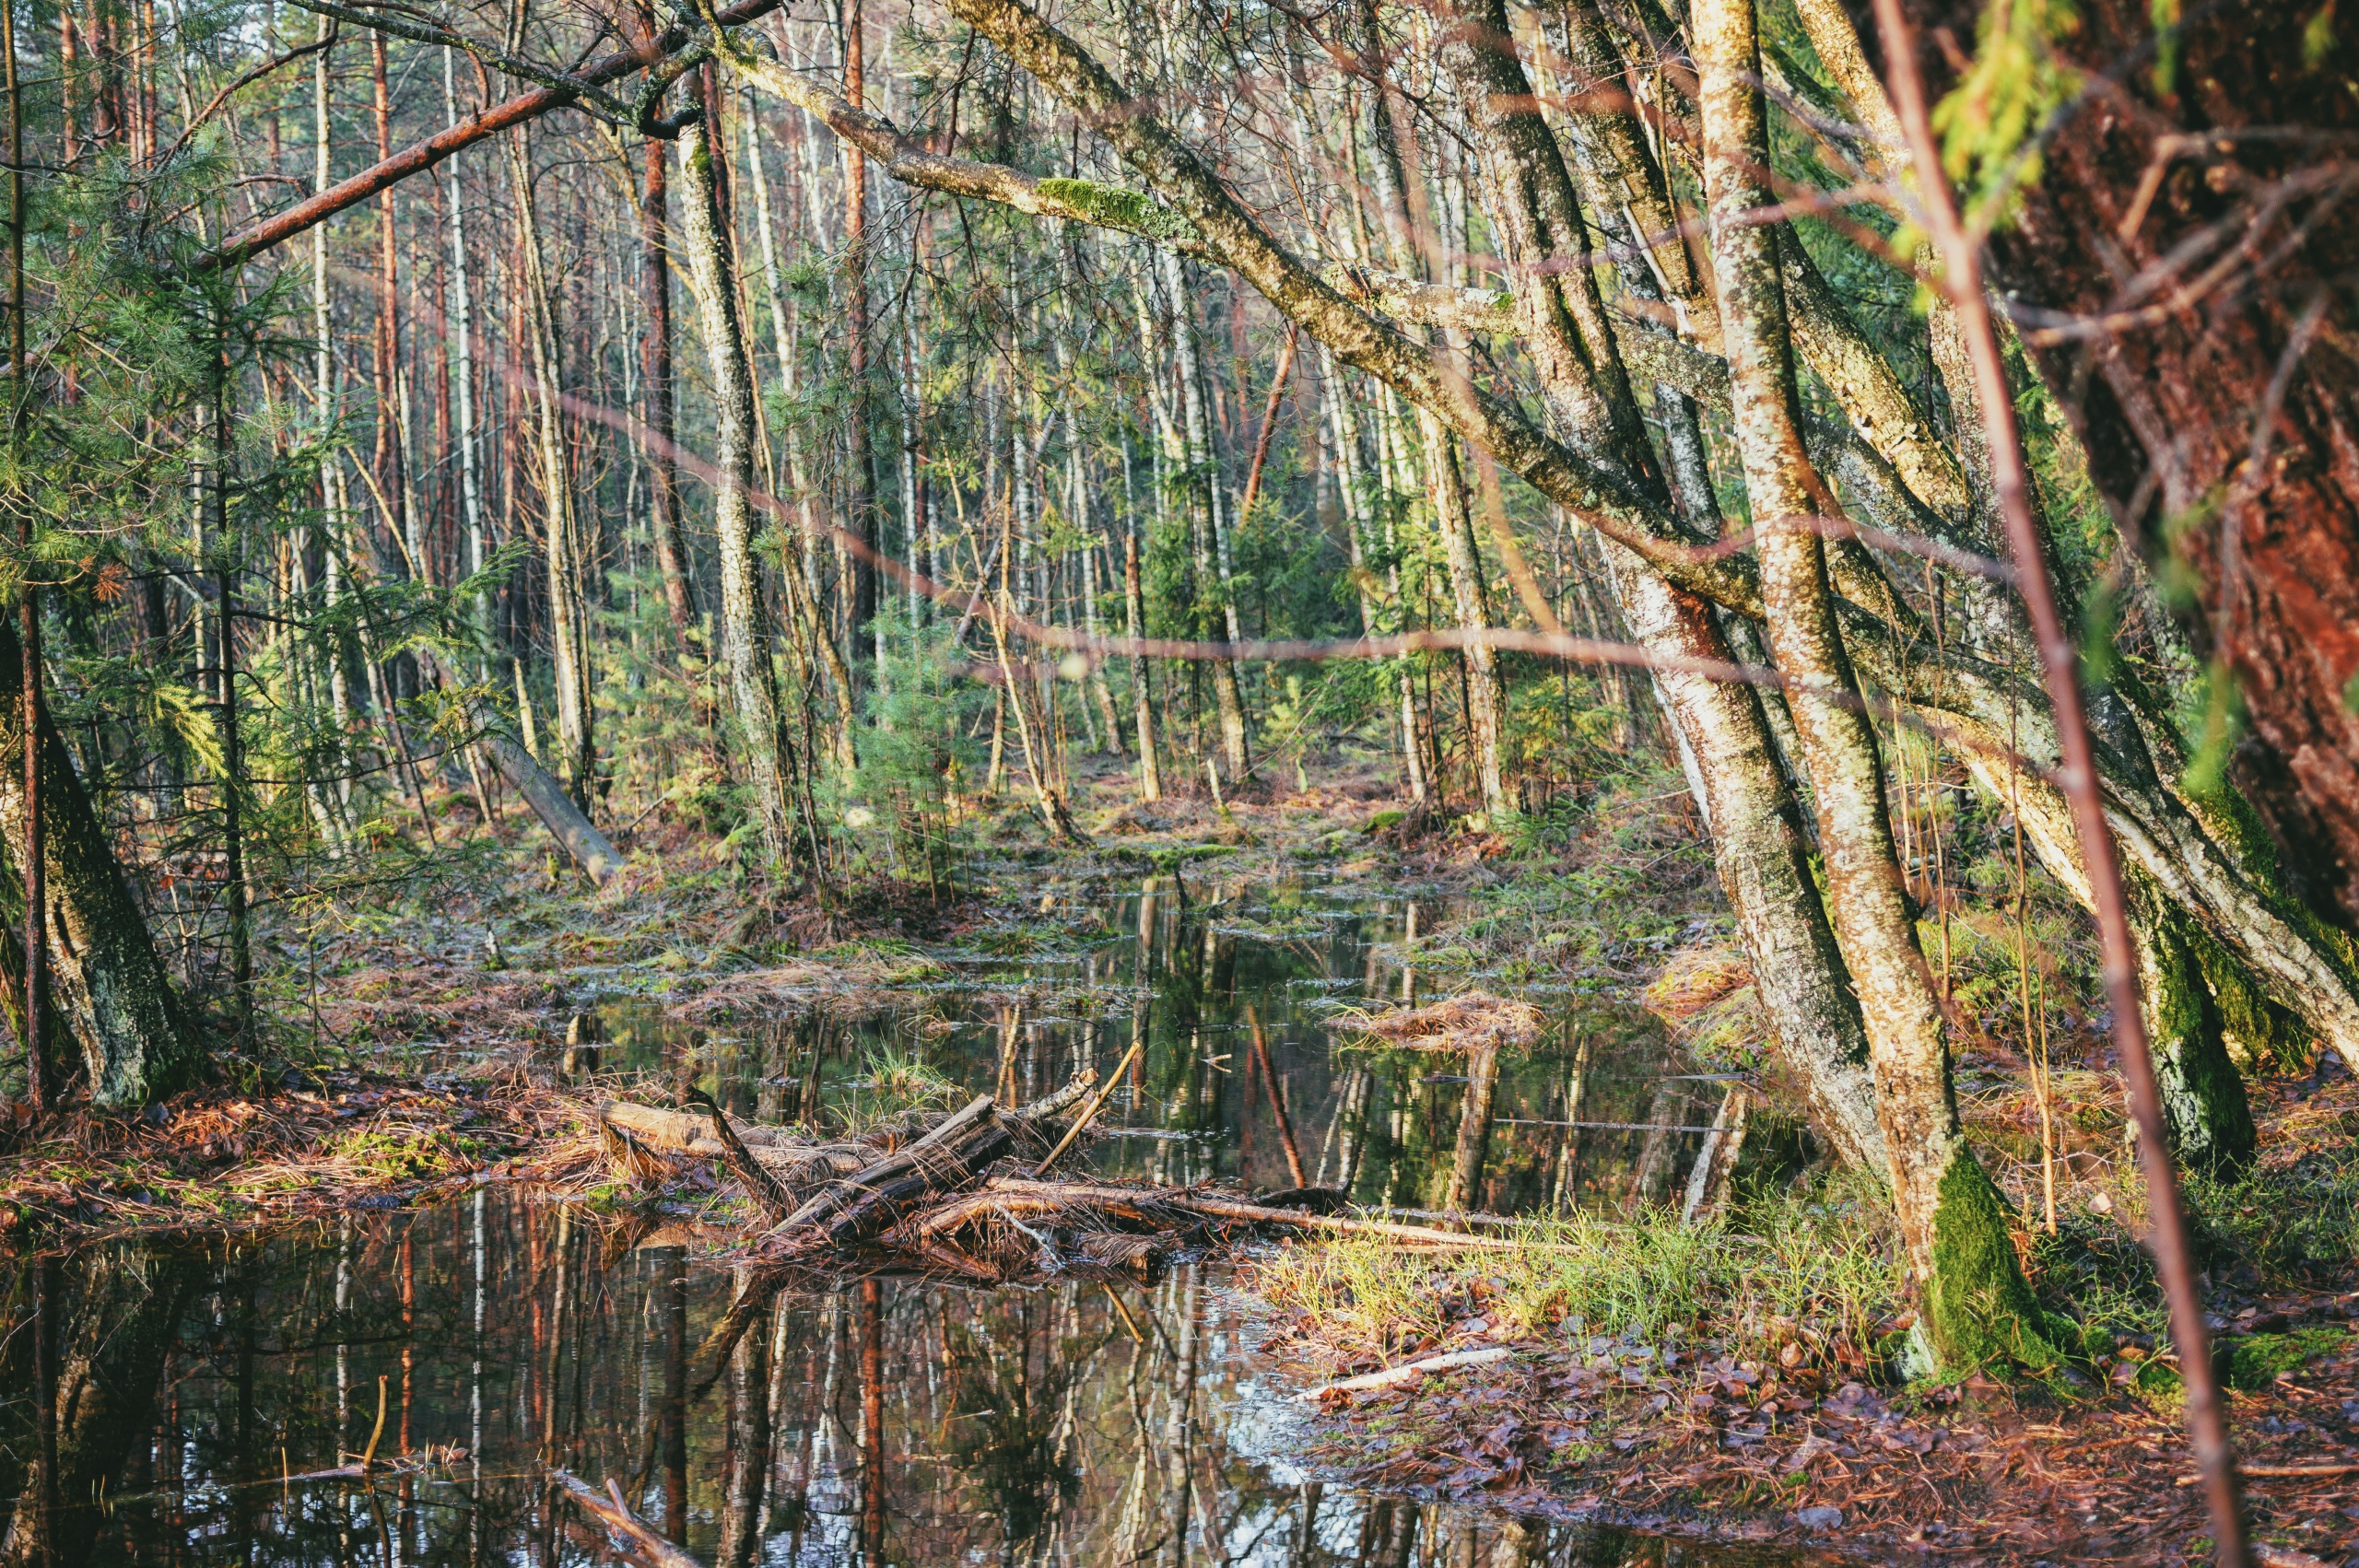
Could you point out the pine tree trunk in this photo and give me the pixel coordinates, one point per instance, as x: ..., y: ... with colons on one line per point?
x: 107, y: 983
x: 2260, y: 519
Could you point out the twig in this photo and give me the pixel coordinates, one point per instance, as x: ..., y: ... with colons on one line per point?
x: 1409, y: 1372
x: 2279, y: 1470
x: 368, y: 1457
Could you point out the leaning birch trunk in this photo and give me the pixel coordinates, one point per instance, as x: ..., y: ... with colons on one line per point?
x: 2198, y: 852
x: 580, y: 837
x: 1764, y: 862
x: 106, y: 981
x: 745, y: 626
x: 1758, y: 844
x: 1977, y: 1305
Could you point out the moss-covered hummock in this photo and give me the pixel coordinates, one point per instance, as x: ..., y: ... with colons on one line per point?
x: 1978, y: 1308
x: 2253, y: 1363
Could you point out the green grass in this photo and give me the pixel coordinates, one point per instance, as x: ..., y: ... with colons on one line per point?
x: 1784, y: 1268
x: 2298, y: 1222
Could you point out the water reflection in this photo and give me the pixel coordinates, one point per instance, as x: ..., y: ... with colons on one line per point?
x: 1241, y: 1078
x: 200, y: 1388
x: 175, y: 1403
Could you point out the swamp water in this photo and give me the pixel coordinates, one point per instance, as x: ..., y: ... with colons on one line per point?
x: 900, y: 1422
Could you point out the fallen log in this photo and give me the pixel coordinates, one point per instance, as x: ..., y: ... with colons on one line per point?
x: 690, y: 1133
x: 567, y: 823
x: 1211, y: 1206
x: 871, y: 1199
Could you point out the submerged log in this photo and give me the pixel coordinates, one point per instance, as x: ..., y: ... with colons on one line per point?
x: 611, y: 1511
x: 690, y: 1133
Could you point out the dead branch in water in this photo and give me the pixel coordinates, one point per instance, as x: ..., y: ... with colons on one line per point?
x: 962, y: 1194
x: 611, y: 1511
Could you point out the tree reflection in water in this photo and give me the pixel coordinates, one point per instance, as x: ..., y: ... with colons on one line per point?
x: 167, y: 1399
x: 890, y: 1422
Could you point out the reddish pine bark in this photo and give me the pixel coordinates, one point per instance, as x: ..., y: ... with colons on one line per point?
x: 2169, y: 390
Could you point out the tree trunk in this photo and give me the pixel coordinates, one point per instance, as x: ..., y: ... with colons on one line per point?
x: 671, y: 558
x: 2215, y: 412
x: 745, y: 623
x: 462, y: 333
x: 568, y: 620
x: 1977, y: 1305
x: 1204, y: 494
x: 2205, y: 1113
x: 138, y: 1043
x: 1764, y: 862
x: 862, y: 496
x: 1472, y: 603
x: 387, y: 465
x: 1142, y: 697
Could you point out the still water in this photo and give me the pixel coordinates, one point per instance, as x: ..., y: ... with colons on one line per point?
x: 203, y: 1383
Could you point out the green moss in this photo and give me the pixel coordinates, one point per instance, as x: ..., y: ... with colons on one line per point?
x: 2253, y: 1363
x: 1978, y: 1308
x: 2160, y: 1389
x: 2205, y: 1113
x: 1133, y: 211
x: 2273, y: 1038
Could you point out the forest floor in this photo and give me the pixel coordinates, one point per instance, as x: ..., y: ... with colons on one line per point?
x: 424, y: 1048
x: 427, y: 1054
x: 1736, y: 1422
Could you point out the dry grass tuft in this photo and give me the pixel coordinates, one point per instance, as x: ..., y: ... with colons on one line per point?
x: 1468, y: 1021
x: 1696, y: 981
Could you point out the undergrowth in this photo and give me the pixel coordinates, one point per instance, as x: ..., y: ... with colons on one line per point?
x: 1814, y: 1269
